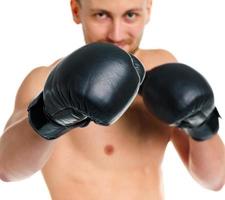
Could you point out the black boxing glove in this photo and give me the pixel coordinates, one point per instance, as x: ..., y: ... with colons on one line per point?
x: 180, y: 96
x: 94, y: 83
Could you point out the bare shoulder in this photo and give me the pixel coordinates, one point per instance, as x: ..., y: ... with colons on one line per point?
x: 32, y: 84
x: 154, y: 57
x: 30, y: 87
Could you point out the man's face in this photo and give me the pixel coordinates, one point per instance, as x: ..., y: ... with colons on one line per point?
x: 120, y: 22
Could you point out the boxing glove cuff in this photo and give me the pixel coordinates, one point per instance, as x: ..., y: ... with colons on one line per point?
x: 139, y: 68
x: 44, y: 125
x: 207, y: 129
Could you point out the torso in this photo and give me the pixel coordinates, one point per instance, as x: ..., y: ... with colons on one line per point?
x: 117, y: 162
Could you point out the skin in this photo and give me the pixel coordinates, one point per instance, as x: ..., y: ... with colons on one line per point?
x: 121, y: 161
x: 122, y: 24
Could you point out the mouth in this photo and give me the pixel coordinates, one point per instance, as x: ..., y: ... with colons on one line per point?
x: 121, y: 45
x: 118, y: 44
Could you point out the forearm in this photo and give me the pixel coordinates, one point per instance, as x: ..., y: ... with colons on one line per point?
x: 22, y: 151
x: 207, y: 162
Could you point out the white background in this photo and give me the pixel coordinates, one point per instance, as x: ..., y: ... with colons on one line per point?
x: 35, y: 33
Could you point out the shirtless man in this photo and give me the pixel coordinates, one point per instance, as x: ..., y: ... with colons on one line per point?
x: 120, y: 161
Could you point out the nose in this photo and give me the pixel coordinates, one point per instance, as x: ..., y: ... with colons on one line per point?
x: 116, y: 31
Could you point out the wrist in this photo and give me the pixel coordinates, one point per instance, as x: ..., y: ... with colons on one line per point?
x: 207, y: 129
x: 44, y: 125
x: 41, y: 123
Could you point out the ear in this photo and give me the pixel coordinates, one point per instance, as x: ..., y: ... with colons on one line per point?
x: 149, y: 8
x: 75, y: 7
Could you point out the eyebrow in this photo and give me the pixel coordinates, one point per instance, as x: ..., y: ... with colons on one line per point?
x: 106, y: 11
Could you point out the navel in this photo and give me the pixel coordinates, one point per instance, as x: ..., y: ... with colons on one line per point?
x: 109, y: 149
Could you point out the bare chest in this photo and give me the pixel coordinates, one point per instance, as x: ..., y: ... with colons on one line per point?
x: 134, y: 139
x: 127, y: 155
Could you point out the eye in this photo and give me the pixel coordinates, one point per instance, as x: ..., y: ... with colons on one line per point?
x: 131, y: 15
x: 101, y: 15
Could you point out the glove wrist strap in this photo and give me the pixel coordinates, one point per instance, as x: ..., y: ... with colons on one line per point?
x: 207, y: 129
x: 45, y: 126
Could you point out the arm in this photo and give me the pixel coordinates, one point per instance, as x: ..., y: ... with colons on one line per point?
x: 181, y: 97
x: 71, y: 96
x: 22, y: 151
x: 204, y: 160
